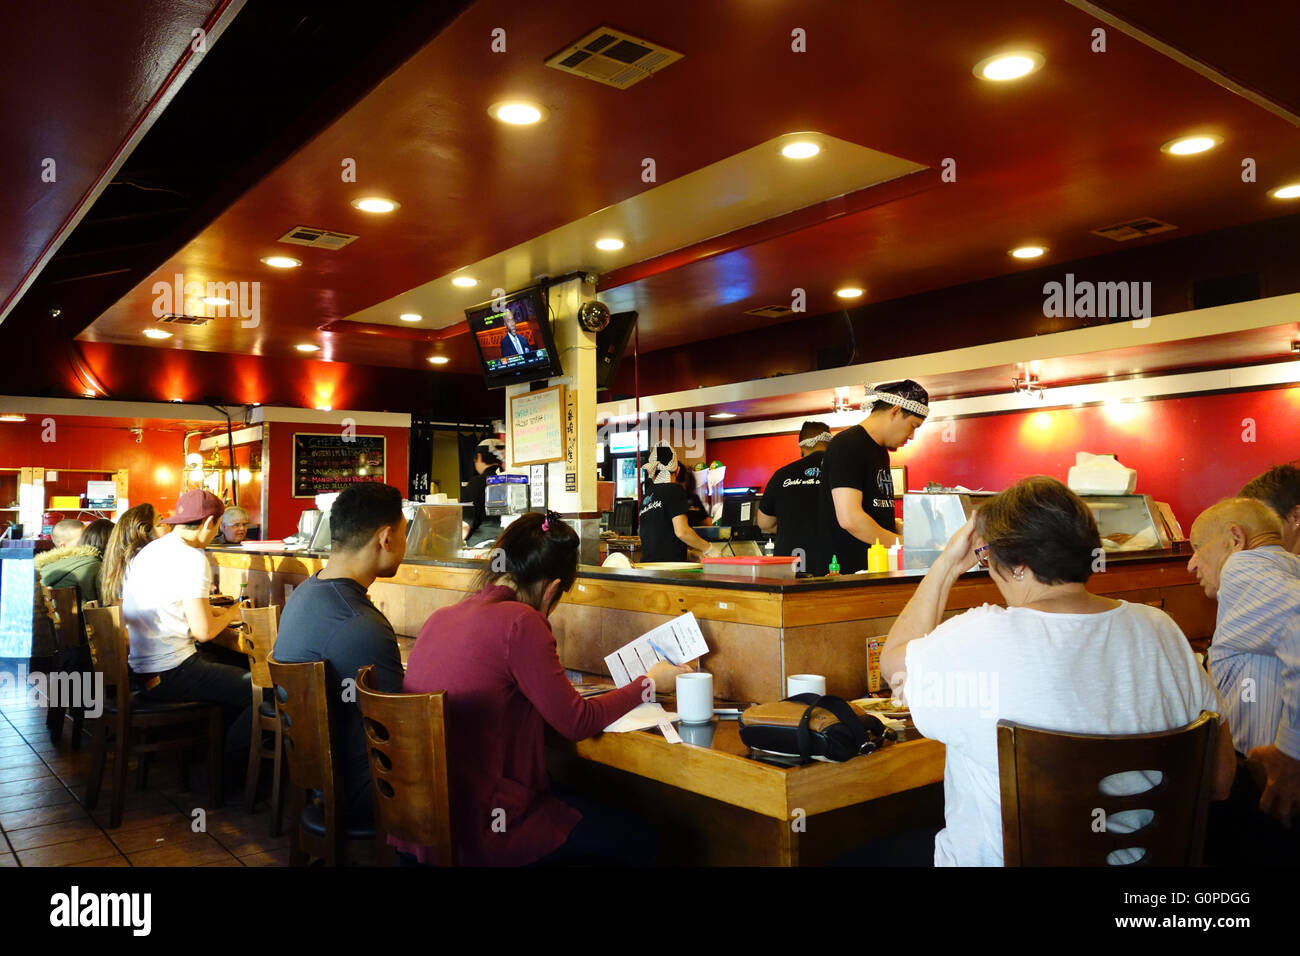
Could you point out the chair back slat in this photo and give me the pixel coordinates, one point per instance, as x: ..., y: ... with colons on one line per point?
x: 1054, y: 812
x: 260, y: 640
x: 406, y: 738
x: 109, y: 648
x: 65, y: 613
x: 306, y: 711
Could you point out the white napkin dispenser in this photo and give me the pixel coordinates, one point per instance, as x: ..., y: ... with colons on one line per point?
x: 1100, y: 475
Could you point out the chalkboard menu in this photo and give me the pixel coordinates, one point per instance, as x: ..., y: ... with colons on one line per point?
x: 324, y: 463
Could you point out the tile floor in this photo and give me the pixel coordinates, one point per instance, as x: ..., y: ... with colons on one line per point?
x: 43, y: 823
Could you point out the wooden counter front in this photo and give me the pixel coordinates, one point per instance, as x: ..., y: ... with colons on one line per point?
x: 757, y: 631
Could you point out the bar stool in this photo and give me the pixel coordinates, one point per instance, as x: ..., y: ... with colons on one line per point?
x: 407, y: 738
x: 130, y: 717
x: 258, y: 641
x: 306, y: 710
x: 1050, y: 794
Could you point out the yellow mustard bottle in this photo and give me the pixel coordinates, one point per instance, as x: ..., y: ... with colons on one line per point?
x: 877, y: 558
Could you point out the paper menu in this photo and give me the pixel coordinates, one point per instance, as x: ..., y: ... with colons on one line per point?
x: 679, y: 639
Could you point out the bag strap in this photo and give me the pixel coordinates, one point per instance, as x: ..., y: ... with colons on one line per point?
x: 837, y: 706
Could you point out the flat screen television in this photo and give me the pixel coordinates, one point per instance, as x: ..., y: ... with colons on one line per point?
x: 611, y: 342
x: 513, y: 338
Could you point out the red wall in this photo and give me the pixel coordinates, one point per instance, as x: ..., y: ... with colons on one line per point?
x: 153, y: 465
x: 283, y: 509
x: 1187, y: 451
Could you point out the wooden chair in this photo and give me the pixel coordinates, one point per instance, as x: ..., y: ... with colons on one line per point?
x: 407, y: 736
x: 131, y: 717
x: 259, y: 639
x: 1051, y: 794
x: 306, y: 710
x: 71, y: 657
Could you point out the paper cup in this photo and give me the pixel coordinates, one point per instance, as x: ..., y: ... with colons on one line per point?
x: 695, y: 698
x: 805, y: 684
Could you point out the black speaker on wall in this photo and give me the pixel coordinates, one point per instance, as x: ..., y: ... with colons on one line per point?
x: 611, y: 343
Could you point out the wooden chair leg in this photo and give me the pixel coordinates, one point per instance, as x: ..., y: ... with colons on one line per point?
x: 297, y: 856
x: 100, y: 745
x: 253, y: 775
x: 216, y: 728
x: 121, y: 755
x: 78, y: 726
x: 277, y: 783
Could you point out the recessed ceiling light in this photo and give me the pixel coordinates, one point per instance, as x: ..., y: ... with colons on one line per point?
x: 609, y: 245
x: 13, y: 417
x: 1191, y: 145
x: 465, y: 282
x: 1009, y: 66
x: 215, y: 300
x: 282, y: 262
x: 723, y: 415
x: 1287, y: 192
x: 307, y: 347
x: 375, y: 204
x: 800, y: 149
x: 517, y: 112
x: 438, y: 360
x: 157, y: 333
x: 849, y: 292
x: 1028, y: 252
x: 410, y: 317
x: 323, y: 408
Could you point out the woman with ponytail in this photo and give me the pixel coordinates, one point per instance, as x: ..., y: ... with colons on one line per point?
x: 495, y: 656
x: 665, y: 526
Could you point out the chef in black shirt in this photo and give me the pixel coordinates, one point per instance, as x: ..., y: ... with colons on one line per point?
x: 665, y: 530
x: 483, y: 528
x: 789, y: 503
x: 856, y: 497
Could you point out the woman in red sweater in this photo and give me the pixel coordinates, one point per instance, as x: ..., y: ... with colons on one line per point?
x: 495, y: 656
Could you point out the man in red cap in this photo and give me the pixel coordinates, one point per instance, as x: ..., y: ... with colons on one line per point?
x: 165, y: 608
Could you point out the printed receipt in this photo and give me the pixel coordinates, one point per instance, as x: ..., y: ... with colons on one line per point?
x: 679, y: 639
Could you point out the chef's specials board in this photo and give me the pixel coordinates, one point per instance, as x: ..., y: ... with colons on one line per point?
x: 537, y: 426
x: 324, y: 463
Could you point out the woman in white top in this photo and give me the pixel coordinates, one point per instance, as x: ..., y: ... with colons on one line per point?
x: 1056, y: 657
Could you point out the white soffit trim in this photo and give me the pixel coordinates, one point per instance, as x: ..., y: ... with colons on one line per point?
x: 337, y: 417
x: 102, y: 408
x: 1176, y: 327
x: 1124, y: 390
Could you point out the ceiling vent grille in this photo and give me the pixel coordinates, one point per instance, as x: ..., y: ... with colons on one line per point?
x: 613, y: 58
x: 771, y: 311
x: 316, y: 238
x: 173, y: 319
x: 1133, y: 229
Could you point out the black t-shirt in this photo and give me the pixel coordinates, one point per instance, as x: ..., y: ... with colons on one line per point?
x: 332, y: 620
x: 791, y: 497
x: 852, y: 460
x: 660, y: 504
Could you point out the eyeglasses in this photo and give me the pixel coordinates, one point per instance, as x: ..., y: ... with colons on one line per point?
x: 982, y: 555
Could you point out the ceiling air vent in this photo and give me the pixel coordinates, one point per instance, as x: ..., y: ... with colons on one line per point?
x: 771, y: 311
x: 316, y: 238
x: 1134, y: 229
x: 172, y: 319
x: 612, y: 57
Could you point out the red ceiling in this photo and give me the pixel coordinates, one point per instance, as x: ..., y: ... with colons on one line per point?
x: 74, y: 90
x: 1044, y: 160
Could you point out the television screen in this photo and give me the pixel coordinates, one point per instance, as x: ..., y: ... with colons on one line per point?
x: 610, y: 344
x: 513, y: 338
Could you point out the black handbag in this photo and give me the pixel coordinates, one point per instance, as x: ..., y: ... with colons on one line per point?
x: 808, y: 726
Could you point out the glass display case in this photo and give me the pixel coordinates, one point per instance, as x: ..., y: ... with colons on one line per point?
x: 1127, y: 523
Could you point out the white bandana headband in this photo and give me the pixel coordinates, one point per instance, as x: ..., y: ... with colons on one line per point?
x: 658, y: 472
x: 916, y: 408
x: 815, y: 440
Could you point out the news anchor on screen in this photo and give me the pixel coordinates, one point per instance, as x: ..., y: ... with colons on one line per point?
x: 512, y: 343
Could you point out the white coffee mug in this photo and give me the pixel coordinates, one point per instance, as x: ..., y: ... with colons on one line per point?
x: 695, y: 698
x: 805, y: 684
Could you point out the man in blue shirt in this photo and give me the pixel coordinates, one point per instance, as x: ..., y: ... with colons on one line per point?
x: 330, y: 618
x: 1255, y: 662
